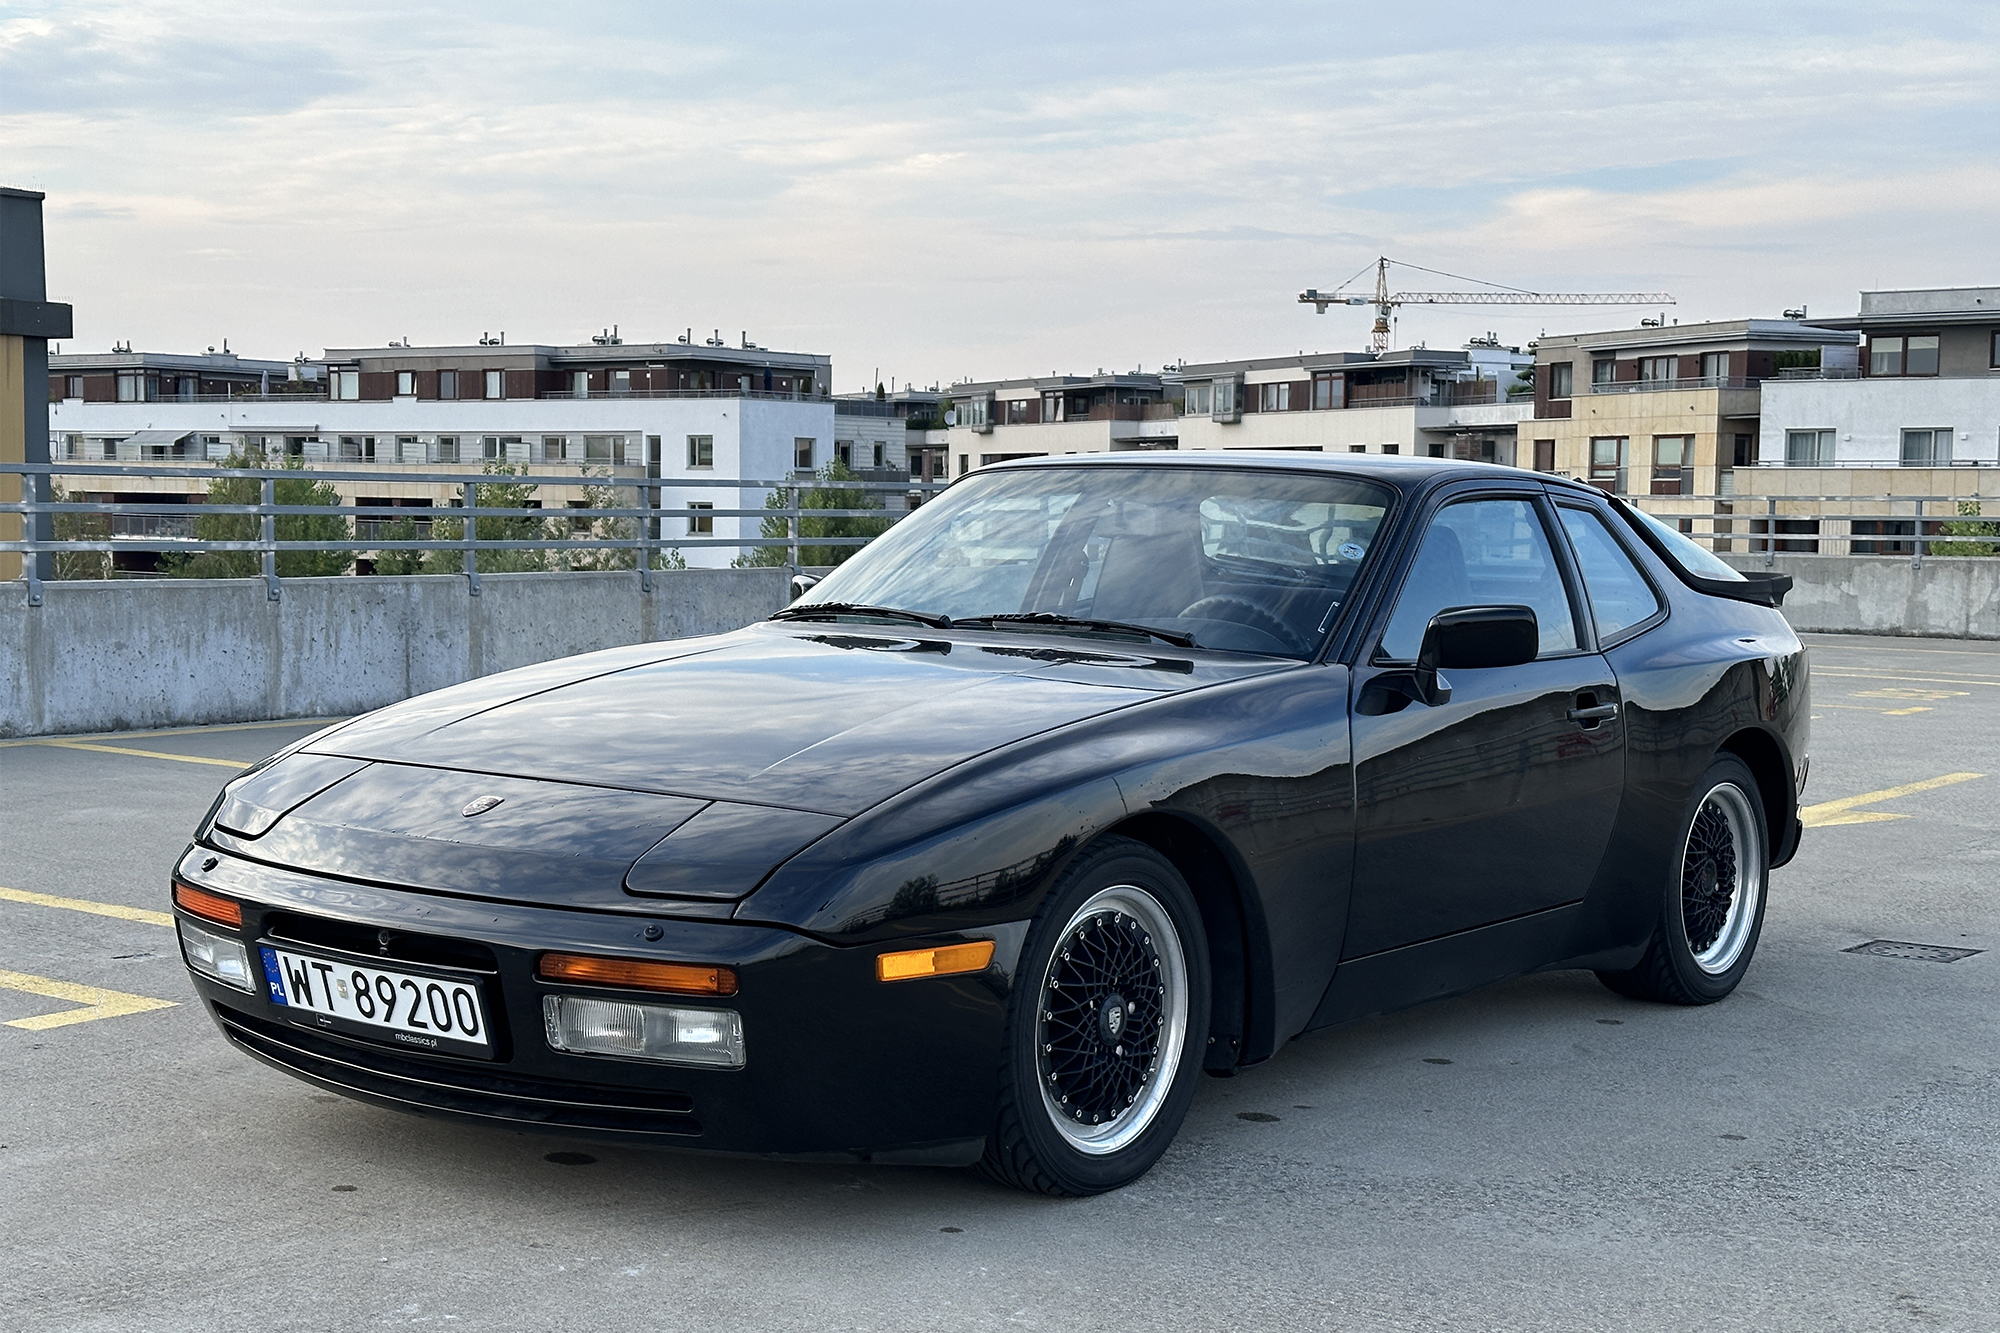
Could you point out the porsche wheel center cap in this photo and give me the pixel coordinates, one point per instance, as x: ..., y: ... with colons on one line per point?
x: 1111, y: 1017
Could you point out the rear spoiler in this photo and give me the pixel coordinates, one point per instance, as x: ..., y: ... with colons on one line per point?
x: 1756, y: 588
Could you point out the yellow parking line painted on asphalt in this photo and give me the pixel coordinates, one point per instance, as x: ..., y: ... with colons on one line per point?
x: 143, y: 754
x: 1885, y: 712
x: 315, y: 722
x: 1843, y: 811
x: 123, y: 913
x: 1822, y: 673
x: 97, y: 1003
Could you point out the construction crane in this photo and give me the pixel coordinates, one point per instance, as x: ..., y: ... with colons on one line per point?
x: 1386, y: 302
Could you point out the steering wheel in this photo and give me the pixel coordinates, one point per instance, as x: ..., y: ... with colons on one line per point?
x: 1244, y: 612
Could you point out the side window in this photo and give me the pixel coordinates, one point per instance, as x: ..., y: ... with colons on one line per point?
x: 1619, y: 595
x: 1482, y: 553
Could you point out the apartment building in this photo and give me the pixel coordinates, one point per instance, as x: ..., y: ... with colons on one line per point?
x: 699, y: 412
x: 1666, y: 409
x: 1924, y: 394
x: 1423, y: 402
x: 990, y: 421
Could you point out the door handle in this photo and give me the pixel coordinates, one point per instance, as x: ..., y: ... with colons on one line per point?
x: 1590, y: 717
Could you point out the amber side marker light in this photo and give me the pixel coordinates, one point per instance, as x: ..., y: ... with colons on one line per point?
x: 633, y: 974
x: 208, y: 906
x: 951, y: 959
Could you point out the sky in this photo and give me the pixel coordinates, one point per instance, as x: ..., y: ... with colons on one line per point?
x: 942, y: 192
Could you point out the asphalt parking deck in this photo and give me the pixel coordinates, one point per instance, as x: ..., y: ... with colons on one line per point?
x: 1821, y: 1151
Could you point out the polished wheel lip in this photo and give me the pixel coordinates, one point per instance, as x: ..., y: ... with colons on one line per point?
x: 1732, y: 805
x: 1120, y: 1131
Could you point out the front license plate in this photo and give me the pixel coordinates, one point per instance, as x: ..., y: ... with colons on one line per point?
x: 423, y: 1012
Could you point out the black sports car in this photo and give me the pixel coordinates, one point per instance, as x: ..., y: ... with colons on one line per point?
x: 1094, y: 773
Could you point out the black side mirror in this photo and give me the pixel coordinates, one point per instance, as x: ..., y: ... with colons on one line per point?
x: 803, y: 584
x: 1471, y: 638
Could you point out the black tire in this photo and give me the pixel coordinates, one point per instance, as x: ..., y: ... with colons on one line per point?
x: 1707, y: 931
x: 1116, y: 921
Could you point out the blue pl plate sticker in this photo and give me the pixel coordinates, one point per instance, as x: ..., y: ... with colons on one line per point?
x: 273, y: 977
x: 1352, y: 550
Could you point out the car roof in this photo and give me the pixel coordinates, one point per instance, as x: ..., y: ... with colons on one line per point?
x: 1405, y: 473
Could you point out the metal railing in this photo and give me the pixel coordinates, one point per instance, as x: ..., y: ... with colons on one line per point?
x: 1669, y: 386
x: 1914, y: 526
x: 633, y: 534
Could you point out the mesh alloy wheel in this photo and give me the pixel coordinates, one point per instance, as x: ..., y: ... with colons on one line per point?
x: 1112, y: 1021
x: 1720, y: 883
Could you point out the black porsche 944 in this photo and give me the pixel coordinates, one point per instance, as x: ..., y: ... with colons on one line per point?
x: 1092, y: 774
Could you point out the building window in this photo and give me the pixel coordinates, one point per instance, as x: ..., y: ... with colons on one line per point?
x: 701, y: 451
x: 346, y: 385
x: 447, y: 448
x: 1715, y: 367
x: 1274, y: 398
x: 1658, y: 369
x: 496, y: 384
x: 843, y: 453
x: 408, y: 450
x: 1603, y: 371
x: 357, y: 448
x: 1992, y: 359
x: 1561, y: 379
x: 1392, y: 448
x: 579, y: 384
x: 1927, y: 448
x: 964, y: 464
x: 73, y: 386
x: 1608, y: 457
x: 1916, y: 354
x: 1545, y: 455
x: 406, y: 383
x: 1329, y: 391
x: 1052, y: 407
x: 1808, y: 448
x: 802, y: 453
x: 878, y: 455
x: 604, y: 448
x: 447, y: 384
x: 621, y: 381
x: 700, y: 521
x: 653, y: 451
x: 553, y: 447
x: 1194, y: 402
x: 491, y: 450
x: 1017, y: 412
x: 1673, y: 465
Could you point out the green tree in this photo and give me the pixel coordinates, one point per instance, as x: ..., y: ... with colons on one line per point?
x: 828, y: 494
x: 598, y: 496
x: 1968, y: 525
x: 300, y: 490
x: 79, y: 528
x: 498, y: 527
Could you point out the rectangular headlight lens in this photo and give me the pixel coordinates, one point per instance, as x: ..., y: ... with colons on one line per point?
x: 217, y: 957
x: 676, y: 1036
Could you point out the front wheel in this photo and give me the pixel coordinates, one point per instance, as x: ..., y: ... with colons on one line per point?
x: 1713, y: 909
x: 1104, y: 1030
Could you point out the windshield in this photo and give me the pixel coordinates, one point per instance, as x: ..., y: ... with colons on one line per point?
x: 1688, y: 553
x: 1247, y: 561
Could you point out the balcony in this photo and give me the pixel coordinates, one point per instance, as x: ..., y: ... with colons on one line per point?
x: 1675, y: 386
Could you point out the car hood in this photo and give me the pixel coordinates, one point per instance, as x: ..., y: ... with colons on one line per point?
x: 688, y: 769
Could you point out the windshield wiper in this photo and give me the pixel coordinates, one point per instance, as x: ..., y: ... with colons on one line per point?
x: 829, y: 610
x: 1056, y: 620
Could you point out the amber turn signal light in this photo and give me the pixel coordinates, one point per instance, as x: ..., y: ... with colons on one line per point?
x: 633, y: 974
x: 208, y: 906
x: 951, y: 959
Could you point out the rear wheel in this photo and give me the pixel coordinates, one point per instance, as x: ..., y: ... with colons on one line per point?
x: 1713, y: 908
x: 1102, y: 1050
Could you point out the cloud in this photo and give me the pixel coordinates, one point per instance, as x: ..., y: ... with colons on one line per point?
x: 923, y: 190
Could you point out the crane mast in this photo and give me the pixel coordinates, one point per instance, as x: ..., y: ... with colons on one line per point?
x: 1386, y: 302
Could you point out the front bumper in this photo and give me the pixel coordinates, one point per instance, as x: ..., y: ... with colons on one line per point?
x: 839, y: 1065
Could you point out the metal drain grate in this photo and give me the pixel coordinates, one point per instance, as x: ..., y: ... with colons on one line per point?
x: 1916, y: 953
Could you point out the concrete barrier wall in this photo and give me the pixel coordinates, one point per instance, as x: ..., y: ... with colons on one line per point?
x: 1953, y: 597
x: 117, y: 655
